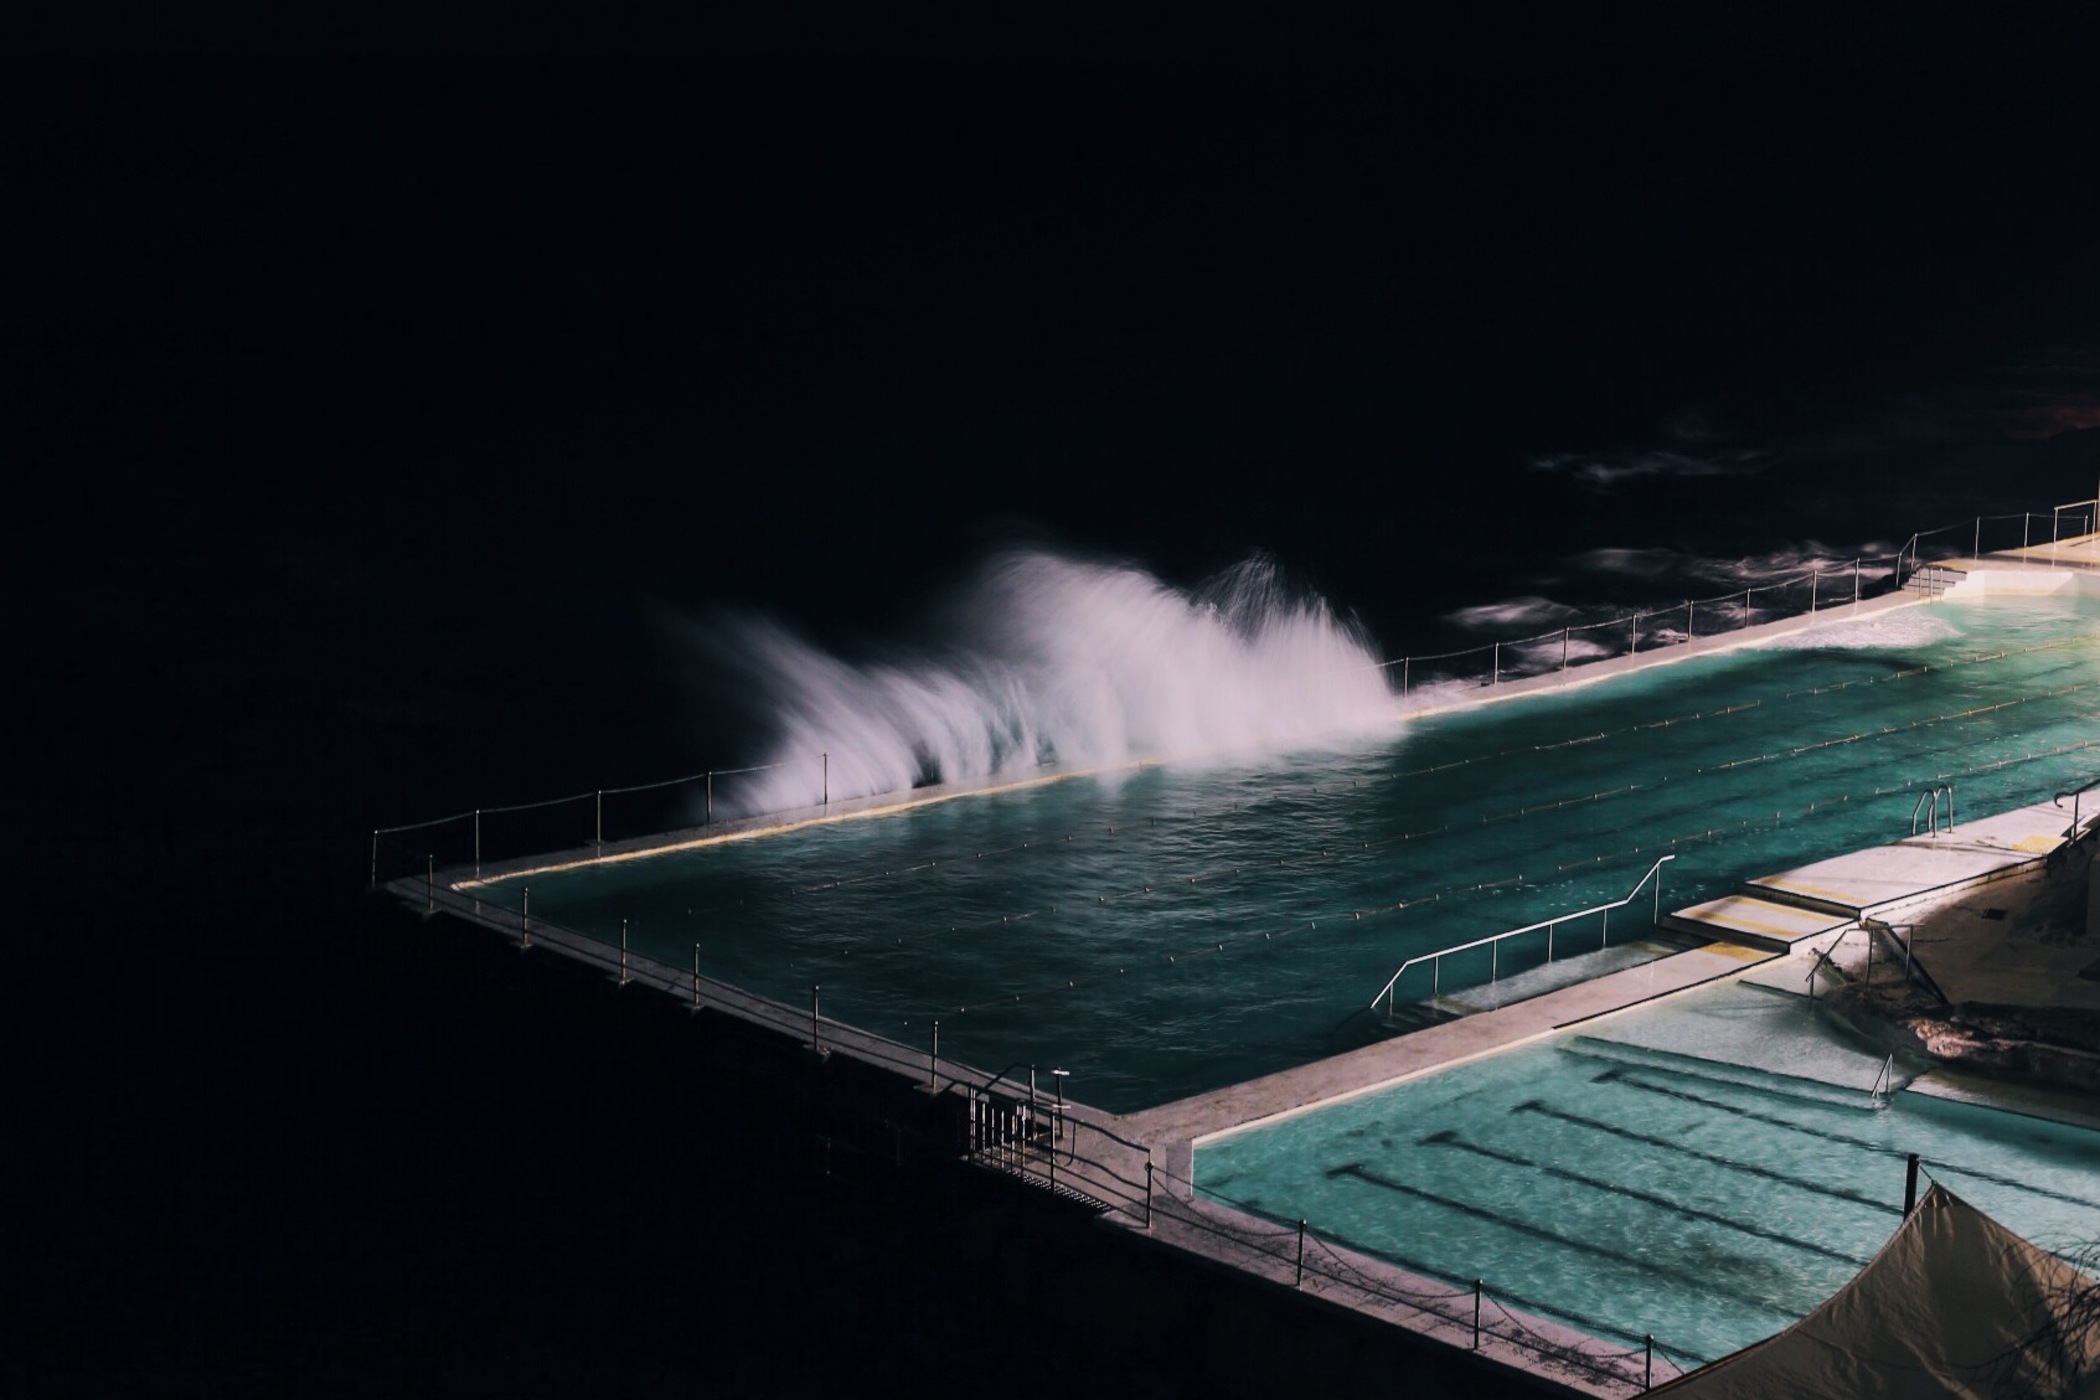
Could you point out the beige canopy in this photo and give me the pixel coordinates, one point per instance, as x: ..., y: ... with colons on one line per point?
x: 1953, y: 1305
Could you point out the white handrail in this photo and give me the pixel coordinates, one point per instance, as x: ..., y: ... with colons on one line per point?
x: 1387, y: 990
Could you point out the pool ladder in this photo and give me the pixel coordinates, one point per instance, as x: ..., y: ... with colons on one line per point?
x: 1884, y: 1083
x: 1928, y: 805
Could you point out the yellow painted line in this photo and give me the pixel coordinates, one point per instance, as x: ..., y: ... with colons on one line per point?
x: 1739, y: 952
x: 1729, y: 920
x: 1799, y: 887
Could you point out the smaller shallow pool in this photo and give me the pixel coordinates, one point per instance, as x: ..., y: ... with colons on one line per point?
x: 1706, y: 1172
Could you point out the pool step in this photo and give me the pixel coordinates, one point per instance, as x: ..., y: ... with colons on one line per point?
x: 1757, y: 920
x: 1933, y: 580
x: 1655, y: 944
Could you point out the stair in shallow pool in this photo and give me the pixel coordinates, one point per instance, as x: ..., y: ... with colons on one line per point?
x: 1537, y: 981
x: 1848, y: 1081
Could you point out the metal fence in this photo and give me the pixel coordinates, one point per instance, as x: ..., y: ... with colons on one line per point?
x: 593, y: 822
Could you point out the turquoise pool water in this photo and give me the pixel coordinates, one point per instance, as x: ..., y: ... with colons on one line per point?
x: 1172, y: 929
x: 1638, y: 1180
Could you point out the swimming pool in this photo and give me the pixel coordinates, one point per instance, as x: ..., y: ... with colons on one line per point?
x: 1167, y: 930
x: 1639, y: 1179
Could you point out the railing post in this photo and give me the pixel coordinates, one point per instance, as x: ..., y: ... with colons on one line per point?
x: 1564, y: 634
x: 933, y: 1061
x: 430, y: 899
x: 1301, y: 1254
x: 1605, y: 942
x: 1148, y: 1188
x: 708, y: 813
x: 1476, y: 1314
x: 375, y: 861
x: 1688, y: 621
x: 477, y: 843
x: 1495, y: 677
x: 1549, y: 939
x: 598, y: 821
x: 1405, y: 662
x: 1814, y: 577
x: 827, y: 777
x: 525, y: 916
x: 1633, y: 636
x: 696, y: 977
x: 623, y: 952
x: 1648, y: 1371
x: 814, y: 1040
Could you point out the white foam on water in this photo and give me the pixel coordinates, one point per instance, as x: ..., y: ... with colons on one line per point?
x: 1050, y: 659
x: 1906, y: 627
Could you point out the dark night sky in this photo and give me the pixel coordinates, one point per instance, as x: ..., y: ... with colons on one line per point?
x: 367, y: 415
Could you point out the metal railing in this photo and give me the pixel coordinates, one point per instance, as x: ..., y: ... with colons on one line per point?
x: 2082, y: 515
x: 563, y: 823
x: 1494, y: 941
x: 2075, y: 832
x: 1928, y: 804
x: 1514, y: 658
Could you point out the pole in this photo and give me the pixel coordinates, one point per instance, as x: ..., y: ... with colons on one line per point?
x: 696, y: 977
x: 477, y: 843
x: 813, y: 1015
x: 827, y: 778
x: 1910, y: 1184
x: 1301, y: 1254
x: 623, y: 952
x: 1648, y: 1371
x: 1633, y: 636
x: 933, y: 1061
x: 1563, y: 648
x: 430, y: 899
x: 1405, y: 661
x: 1497, y: 675
x: 1688, y: 620
x: 1976, y: 547
x: 1476, y: 1314
x: 526, y: 914
x: 709, y: 817
x: 598, y: 821
x: 375, y: 861
x: 1815, y: 576
x: 1148, y: 1188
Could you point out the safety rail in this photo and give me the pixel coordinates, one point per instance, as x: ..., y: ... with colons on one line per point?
x: 1932, y: 796
x: 1544, y: 1339
x: 1494, y: 941
x: 2075, y: 832
x: 2075, y: 511
x: 580, y: 821
x: 1914, y: 971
